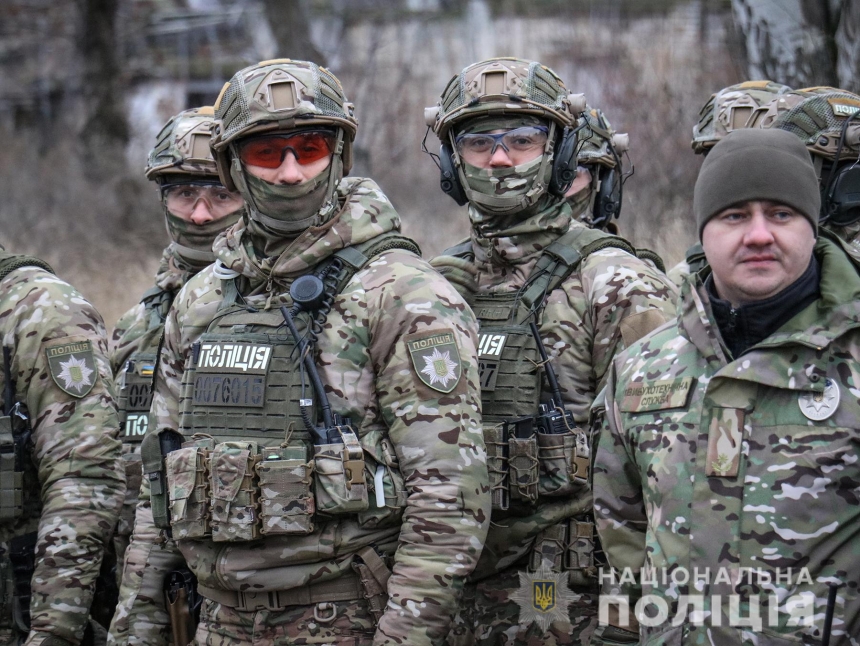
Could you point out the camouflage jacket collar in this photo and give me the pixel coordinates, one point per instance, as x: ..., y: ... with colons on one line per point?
x: 834, y: 314
x: 173, y: 271
x: 365, y: 212
x: 513, y: 250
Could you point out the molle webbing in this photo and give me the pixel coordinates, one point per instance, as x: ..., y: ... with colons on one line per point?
x: 9, y: 262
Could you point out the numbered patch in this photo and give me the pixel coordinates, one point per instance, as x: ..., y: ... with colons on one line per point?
x: 490, y: 346
x: 436, y: 359
x: 73, y: 367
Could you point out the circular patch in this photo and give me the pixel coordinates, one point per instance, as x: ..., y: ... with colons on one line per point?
x: 820, y: 406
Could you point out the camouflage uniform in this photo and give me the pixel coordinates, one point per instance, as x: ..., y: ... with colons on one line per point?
x: 181, y: 154
x: 72, y: 479
x: 424, y: 436
x: 607, y: 300
x: 709, y: 462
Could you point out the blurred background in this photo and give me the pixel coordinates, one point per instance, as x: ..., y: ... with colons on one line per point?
x: 86, y: 84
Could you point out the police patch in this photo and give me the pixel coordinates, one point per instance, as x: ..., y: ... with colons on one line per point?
x: 73, y: 367
x: 543, y: 597
x: 436, y: 359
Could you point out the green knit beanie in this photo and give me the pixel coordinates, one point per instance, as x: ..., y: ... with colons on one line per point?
x: 752, y: 164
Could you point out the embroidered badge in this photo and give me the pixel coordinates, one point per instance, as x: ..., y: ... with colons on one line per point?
x: 819, y: 406
x: 543, y: 597
x: 73, y: 367
x: 436, y: 360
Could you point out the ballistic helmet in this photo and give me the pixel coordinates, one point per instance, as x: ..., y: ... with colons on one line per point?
x: 280, y: 94
x: 502, y: 88
x: 738, y: 106
x: 182, y: 146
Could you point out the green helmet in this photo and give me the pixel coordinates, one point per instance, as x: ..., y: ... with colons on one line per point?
x: 817, y: 118
x: 279, y: 94
x: 182, y: 146
x: 738, y: 106
x: 506, y: 88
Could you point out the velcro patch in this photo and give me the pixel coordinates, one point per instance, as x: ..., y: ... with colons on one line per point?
x: 656, y: 395
x: 73, y: 367
x: 436, y: 359
x: 844, y: 107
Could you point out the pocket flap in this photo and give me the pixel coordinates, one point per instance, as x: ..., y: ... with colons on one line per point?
x: 181, y: 472
x: 229, y: 466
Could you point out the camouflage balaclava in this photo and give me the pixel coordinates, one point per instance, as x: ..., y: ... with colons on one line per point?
x: 510, y: 182
x: 289, y: 209
x: 282, y: 96
x: 182, y: 155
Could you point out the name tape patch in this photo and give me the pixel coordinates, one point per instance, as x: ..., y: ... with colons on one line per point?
x: 657, y: 395
x: 233, y: 357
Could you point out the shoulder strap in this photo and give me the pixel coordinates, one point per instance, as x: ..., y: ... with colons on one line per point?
x: 562, y: 257
x: 156, y: 303
x: 646, y: 254
x: 357, y: 256
x: 9, y: 262
x: 695, y: 258
x: 460, y: 250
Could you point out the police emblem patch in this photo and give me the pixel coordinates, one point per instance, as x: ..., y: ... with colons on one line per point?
x: 543, y: 597
x: 73, y: 367
x: 436, y: 359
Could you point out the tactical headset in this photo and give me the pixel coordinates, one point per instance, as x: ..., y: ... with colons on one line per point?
x: 563, y: 167
x: 840, y: 197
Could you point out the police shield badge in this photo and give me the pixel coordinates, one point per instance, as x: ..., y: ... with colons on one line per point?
x: 436, y: 359
x: 543, y: 597
x: 73, y: 366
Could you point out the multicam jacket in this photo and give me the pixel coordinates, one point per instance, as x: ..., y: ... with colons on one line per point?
x: 738, y: 478
x: 606, y: 303
x: 369, y: 376
x: 139, y: 330
x: 62, y: 380
x: 172, y: 274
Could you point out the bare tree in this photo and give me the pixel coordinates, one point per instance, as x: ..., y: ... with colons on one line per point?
x: 292, y: 30
x: 105, y: 127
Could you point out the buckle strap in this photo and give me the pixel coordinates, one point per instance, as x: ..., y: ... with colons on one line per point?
x: 344, y: 588
x: 375, y: 564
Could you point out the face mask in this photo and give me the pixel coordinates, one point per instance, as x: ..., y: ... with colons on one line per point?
x: 194, y: 241
x: 509, y: 184
x: 287, y: 208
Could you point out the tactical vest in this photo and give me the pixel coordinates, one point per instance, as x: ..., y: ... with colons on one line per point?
x: 533, y: 446
x: 135, y: 380
x: 695, y: 258
x: 19, y: 482
x: 251, y: 468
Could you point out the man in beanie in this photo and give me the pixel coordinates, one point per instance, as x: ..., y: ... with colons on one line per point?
x: 727, y: 464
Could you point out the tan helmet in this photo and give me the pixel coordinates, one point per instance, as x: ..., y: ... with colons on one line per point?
x: 182, y: 146
x: 280, y: 94
x: 504, y: 86
x: 743, y: 105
